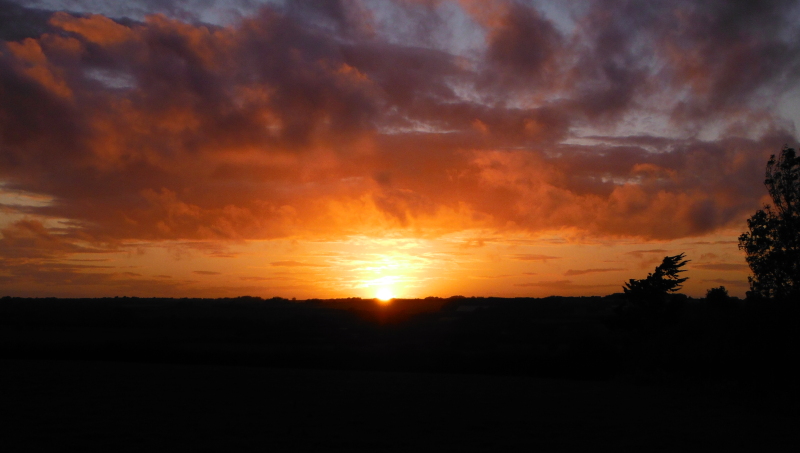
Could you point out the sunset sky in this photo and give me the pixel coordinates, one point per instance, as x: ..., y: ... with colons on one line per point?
x: 206, y: 148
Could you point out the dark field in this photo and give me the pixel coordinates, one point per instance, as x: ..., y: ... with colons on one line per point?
x: 108, y: 406
x: 457, y: 374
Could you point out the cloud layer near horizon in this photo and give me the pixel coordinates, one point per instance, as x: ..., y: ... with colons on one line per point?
x: 627, y: 119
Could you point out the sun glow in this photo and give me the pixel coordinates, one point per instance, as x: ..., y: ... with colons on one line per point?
x: 384, y: 294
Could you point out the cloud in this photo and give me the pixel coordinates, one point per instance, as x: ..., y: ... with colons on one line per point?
x: 525, y: 43
x: 723, y: 267
x: 491, y: 277
x: 639, y: 254
x: 735, y: 283
x: 529, y: 257
x: 562, y: 284
x: 261, y: 279
x: 547, y: 284
x: 46, y: 278
x: 637, y: 120
x: 573, y: 272
x: 206, y: 273
x: 18, y: 22
x: 31, y: 239
x: 713, y: 242
x: 297, y: 264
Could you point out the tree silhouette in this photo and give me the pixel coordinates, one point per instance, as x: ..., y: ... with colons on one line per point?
x: 719, y: 298
x: 663, y: 281
x: 648, y: 299
x: 772, y: 243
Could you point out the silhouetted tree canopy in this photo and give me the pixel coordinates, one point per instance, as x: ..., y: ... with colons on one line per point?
x: 772, y: 242
x: 650, y: 301
x: 719, y: 298
x: 664, y: 280
x: 717, y: 293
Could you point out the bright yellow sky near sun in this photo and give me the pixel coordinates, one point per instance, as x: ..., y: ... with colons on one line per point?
x: 472, y: 263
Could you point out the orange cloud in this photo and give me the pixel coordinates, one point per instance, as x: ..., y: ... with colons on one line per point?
x: 296, y: 264
x: 535, y: 257
x: 310, y: 122
x: 573, y: 272
x: 95, y: 28
x: 723, y: 266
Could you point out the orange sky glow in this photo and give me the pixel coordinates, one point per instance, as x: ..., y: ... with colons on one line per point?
x: 385, y: 149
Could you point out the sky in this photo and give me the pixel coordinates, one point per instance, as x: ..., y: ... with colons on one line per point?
x: 202, y: 148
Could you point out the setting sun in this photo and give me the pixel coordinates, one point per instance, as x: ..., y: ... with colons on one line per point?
x: 384, y: 294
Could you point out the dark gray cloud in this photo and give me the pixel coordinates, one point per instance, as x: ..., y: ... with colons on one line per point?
x: 18, y: 22
x: 526, y: 43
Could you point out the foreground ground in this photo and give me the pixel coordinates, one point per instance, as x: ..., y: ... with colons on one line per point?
x: 111, y: 406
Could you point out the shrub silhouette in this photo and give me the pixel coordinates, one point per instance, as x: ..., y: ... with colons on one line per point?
x: 772, y: 242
